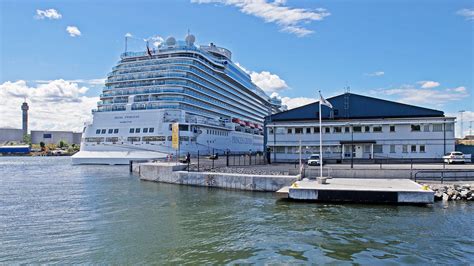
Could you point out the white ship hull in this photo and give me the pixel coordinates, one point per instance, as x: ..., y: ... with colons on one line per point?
x: 195, y: 137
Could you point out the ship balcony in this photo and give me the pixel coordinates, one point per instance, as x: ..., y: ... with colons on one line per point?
x: 141, y: 91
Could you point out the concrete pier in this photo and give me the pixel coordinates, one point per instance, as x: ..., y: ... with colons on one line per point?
x: 360, y: 190
x: 173, y: 173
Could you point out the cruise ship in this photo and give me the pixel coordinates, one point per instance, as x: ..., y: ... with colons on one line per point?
x: 214, y: 102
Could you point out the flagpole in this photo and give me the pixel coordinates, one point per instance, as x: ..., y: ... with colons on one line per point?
x: 320, y: 140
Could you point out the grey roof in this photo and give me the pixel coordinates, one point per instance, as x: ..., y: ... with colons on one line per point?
x: 354, y: 106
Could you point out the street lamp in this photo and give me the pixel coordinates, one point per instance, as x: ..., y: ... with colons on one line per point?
x: 352, y: 146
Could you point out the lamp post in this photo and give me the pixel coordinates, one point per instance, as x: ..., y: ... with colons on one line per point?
x: 352, y: 146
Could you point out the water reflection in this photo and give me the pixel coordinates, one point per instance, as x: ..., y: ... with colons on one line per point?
x: 53, y: 212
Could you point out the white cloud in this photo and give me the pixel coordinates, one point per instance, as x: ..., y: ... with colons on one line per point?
x: 156, y: 40
x: 57, y: 105
x: 73, y: 31
x: 289, y: 19
x: 296, y: 102
x: 90, y: 82
x: 410, y: 94
x: 376, y: 74
x: 267, y: 81
x: 428, y: 84
x: 461, y: 89
x: 48, y: 13
x: 467, y: 13
x: 292, y: 103
x: 128, y: 35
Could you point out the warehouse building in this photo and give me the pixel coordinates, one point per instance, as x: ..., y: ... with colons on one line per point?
x: 360, y: 128
x: 11, y: 135
x: 54, y: 137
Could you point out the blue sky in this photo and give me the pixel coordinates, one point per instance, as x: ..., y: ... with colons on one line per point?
x: 418, y: 52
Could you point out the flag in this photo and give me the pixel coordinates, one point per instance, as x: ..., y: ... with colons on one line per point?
x: 324, y: 101
x: 148, y: 49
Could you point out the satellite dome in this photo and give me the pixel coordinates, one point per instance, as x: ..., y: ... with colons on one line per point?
x: 190, y: 39
x: 170, y: 41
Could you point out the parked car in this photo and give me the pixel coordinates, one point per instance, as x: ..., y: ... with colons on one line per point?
x: 454, y: 157
x: 313, y: 159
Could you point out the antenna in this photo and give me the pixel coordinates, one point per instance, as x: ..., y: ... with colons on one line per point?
x: 126, y: 40
x: 347, y: 91
x: 462, y: 122
x: 470, y: 128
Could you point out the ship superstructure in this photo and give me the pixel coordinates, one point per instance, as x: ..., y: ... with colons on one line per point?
x: 217, y: 106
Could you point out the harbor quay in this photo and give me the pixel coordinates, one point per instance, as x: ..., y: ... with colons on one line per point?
x: 363, y: 183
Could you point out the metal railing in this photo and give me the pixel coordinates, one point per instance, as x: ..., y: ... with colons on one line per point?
x: 444, y: 174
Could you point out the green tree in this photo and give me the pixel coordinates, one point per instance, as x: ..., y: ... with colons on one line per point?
x: 27, y: 139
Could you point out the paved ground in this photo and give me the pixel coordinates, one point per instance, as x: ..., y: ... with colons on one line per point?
x: 396, y: 185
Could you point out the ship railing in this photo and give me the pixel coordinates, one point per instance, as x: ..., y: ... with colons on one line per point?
x: 185, y: 83
x: 221, y: 83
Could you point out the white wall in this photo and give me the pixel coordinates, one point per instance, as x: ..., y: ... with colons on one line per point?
x: 56, y: 136
x: 433, y: 141
x: 11, y: 134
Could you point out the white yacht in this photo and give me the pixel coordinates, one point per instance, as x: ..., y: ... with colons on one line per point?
x: 217, y: 106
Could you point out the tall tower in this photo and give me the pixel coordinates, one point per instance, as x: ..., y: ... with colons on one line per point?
x: 24, y: 109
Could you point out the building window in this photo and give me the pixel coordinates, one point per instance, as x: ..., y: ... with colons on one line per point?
x: 426, y: 128
x: 367, y: 128
x: 299, y: 130
x: 347, y: 129
x: 145, y: 130
x: 413, y: 148
x: 280, y: 149
x: 132, y: 130
x: 116, y: 131
x: 367, y: 148
x: 392, y: 148
x: 437, y: 127
x: 415, y: 128
x: 405, y: 148
x: 449, y: 127
x: 151, y: 130
x: 308, y: 130
x: 316, y: 129
x: 422, y: 148
x: 378, y: 148
x: 97, y: 131
x: 132, y: 139
x: 103, y: 131
x: 137, y: 130
x: 337, y: 129
x: 110, y: 131
x: 327, y: 130
x: 357, y: 129
x: 377, y: 129
x: 183, y: 127
x: 392, y: 128
x: 290, y: 131
x: 47, y: 136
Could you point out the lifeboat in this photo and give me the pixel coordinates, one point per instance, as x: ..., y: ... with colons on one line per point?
x: 236, y: 120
